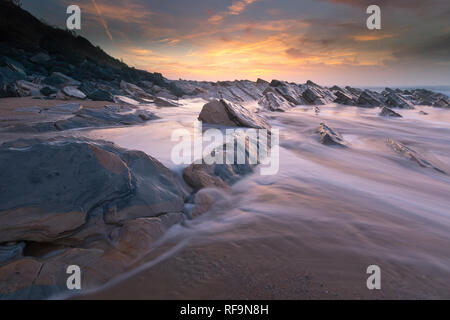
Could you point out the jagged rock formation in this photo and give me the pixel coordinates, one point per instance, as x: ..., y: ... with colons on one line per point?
x: 328, y: 136
x: 231, y: 114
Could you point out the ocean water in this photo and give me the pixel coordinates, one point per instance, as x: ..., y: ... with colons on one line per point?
x: 442, y: 89
x: 363, y: 205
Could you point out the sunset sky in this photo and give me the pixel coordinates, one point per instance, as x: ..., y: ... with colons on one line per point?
x: 326, y: 41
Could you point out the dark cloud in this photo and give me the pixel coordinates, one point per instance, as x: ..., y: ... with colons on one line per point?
x: 437, y: 48
x: 413, y: 4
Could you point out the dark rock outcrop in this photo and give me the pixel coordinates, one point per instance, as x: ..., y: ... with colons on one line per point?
x: 386, y: 112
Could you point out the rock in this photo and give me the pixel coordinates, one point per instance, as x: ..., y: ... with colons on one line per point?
x: 315, y: 96
x: 73, y: 92
x: 329, y: 136
x: 138, y: 235
x: 274, y: 102
x: 395, y: 100
x: 17, y: 276
x: 100, y: 95
x: 126, y: 100
x: 161, y: 102
x: 343, y: 98
x: 156, y: 89
x: 166, y: 94
x: 134, y: 91
x: 67, y: 108
x: 354, y: 91
x: 11, y: 251
x: 205, y: 199
x: 31, y: 109
x: 50, y: 189
x: 47, y: 91
x: 215, y: 112
x: 230, y: 114
x: 201, y: 175
x: 386, y: 112
x: 66, y: 80
x: 53, y: 81
x: 411, y: 155
x: 27, y: 88
x: 13, y: 65
x: 290, y: 92
x: 87, y: 117
x: 369, y: 99
x: 423, y: 113
x: 40, y: 58
x: 262, y: 82
x: 441, y: 103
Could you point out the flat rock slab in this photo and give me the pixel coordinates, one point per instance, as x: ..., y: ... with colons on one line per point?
x: 67, y: 108
x: 31, y: 109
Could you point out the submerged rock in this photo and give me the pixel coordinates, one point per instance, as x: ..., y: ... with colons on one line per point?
x: 411, y: 155
x: 329, y: 136
x: 386, y: 112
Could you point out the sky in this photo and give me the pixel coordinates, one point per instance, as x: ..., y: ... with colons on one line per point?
x: 325, y: 41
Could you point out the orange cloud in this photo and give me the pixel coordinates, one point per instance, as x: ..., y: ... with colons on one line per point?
x: 236, y: 8
x: 372, y: 37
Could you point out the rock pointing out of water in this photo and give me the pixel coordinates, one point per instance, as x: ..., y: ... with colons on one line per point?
x: 329, y: 136
x: 230, y: 114
x: 411, y: 154
x: 386, y: 112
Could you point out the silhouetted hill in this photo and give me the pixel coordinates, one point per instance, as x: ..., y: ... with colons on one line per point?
x: 21, y: 30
